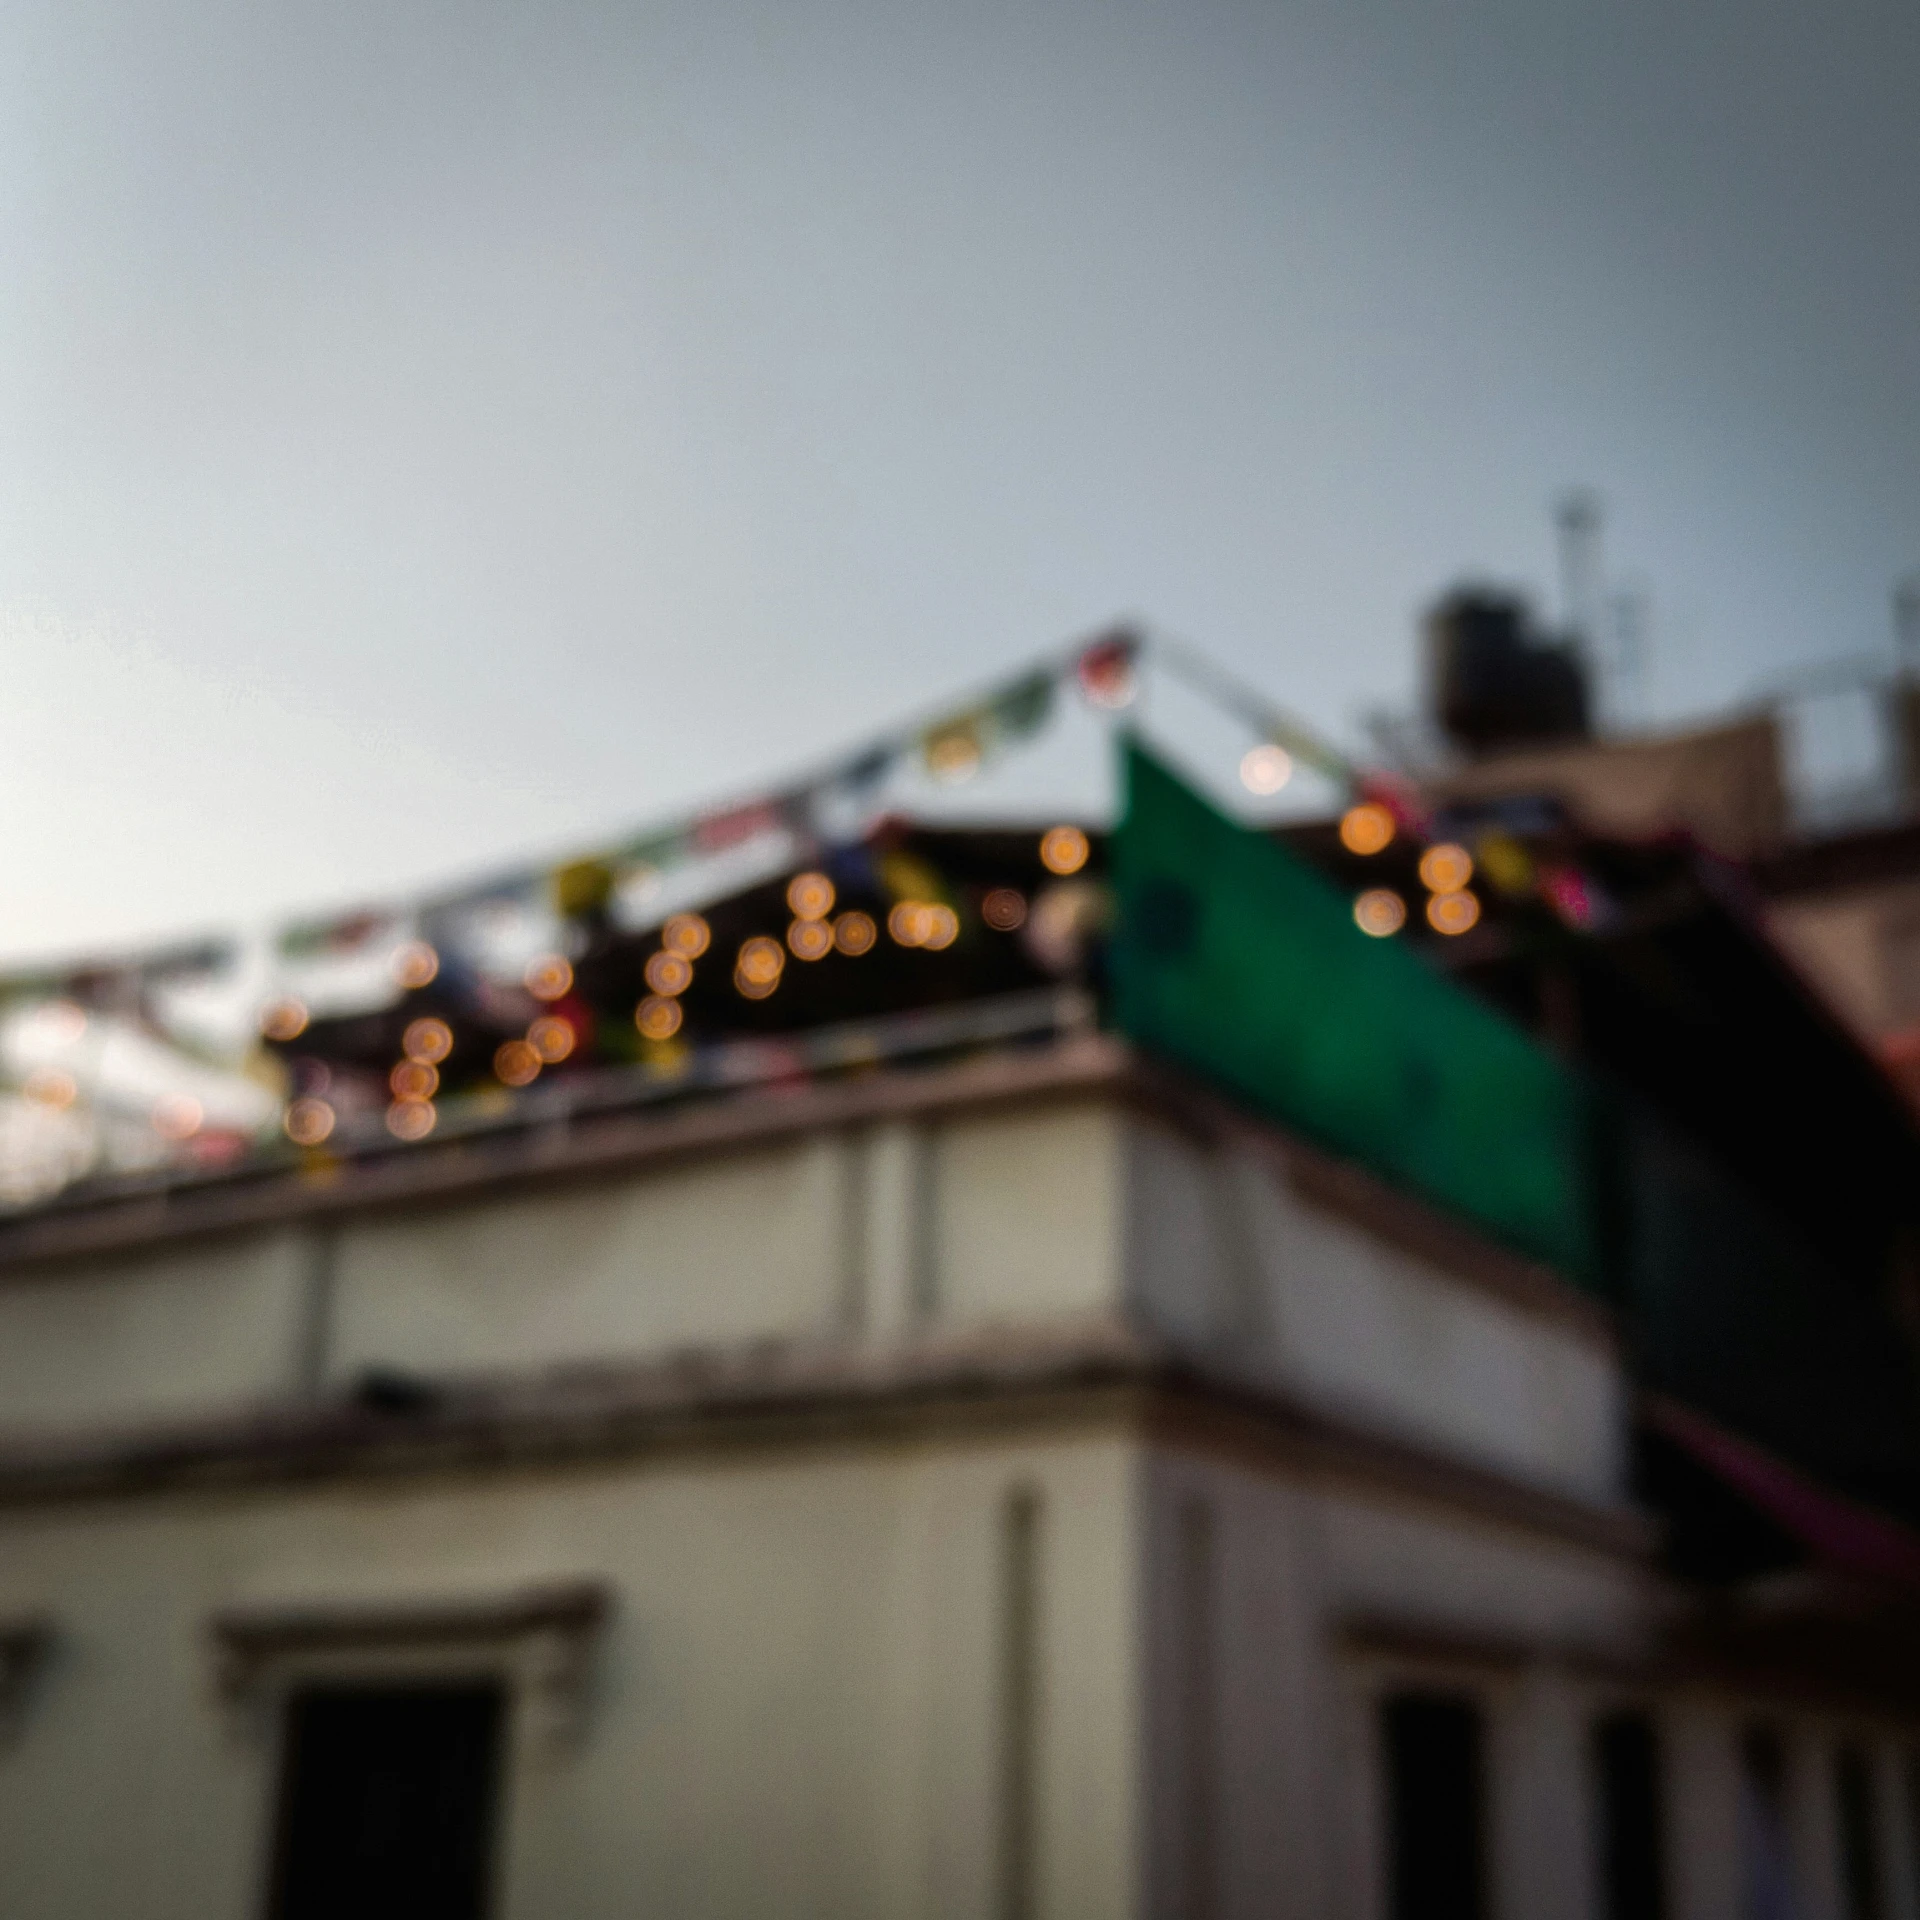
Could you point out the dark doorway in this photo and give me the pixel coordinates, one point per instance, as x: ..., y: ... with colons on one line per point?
x: 1632, y: 1854
x: 1436, y: 1809
x: 387, y: 1802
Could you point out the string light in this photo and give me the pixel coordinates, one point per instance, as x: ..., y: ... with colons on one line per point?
x: 854, y: 933
x: 308, y: 1122
x: 1367, y: 828
x: 657, y: 1019
x: 1004, y: 909
x: 411, y: 1119
x: 1266, y: 768
x: 1063, y: 850
x: 283, y: 1020
x: 177, y: 1116
x: 758, y: 966
x: 1453, y: 913
x: 550, y: 977
x: 940, y: 928
x: 430, y: 1040
x: 516, y: 1064
x: 687, y: 935
x: 669, y: 973
x: 953, y: 756
x: 551, y: 1039
x: 810, y: 939
x: 414, y: 1080
x: 415, y: 965
x: 1445, y: 868
x: 1380, y: 911
x: 810, y: 895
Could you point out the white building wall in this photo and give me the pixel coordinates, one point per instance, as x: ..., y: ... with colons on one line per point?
x: 793, y: 1710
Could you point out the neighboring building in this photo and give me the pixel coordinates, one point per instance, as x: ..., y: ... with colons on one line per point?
x: 966, y: 1465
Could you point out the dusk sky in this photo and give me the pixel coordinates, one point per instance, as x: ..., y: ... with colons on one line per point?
x: 433, y: 434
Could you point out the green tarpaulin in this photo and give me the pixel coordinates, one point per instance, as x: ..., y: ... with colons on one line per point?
x: 1236, y: 959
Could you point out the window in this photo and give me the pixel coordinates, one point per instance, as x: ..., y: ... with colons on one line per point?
x: 387, y: 1802
x: 1767, y: 1857
x: 1630, y: 1841
x: 1436, y: 1816
x: 1859, y: 1835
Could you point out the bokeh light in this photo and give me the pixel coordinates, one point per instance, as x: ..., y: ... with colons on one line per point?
x: 940, y: 928
x: 668, y: 972
x: 411, y: 1119
x: 907, y: 922
x: 687, y: 935
x: 430, y: 1040
x: 177, y: 1116
x: 1367, y: 828
x: 810, y: 896
x: 1063, y: 850
x: 1265, y: 768
x: 855, y: 933
x: 283, y: 1020
x: 1379, y: 911
x: 1445, y: 868
x: 551, y: 1039
x: 51, y: 1087
x: 953, y: 756
x: 308, y: 1122
x: 657, y: 1019
x: 414, y: 1080
x: 760, y: 962
x: 1004, y: 909
x: 550, y: 977
x: 415, y: 965
x: 1453, y: 913
x: 59, y: 1023
x: 516, y: 1064
x: 810, y: 939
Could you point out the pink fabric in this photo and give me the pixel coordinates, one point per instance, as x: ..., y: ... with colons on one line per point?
x: 1846, y: 1537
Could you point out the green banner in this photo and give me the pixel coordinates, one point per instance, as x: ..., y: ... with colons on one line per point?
x: 1234, y: 958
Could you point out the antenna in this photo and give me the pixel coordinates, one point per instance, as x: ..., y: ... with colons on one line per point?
x: 1906, y: 626
x: 1577, y: 517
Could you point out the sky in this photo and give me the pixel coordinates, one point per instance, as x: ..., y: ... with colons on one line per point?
x: 433, y: 434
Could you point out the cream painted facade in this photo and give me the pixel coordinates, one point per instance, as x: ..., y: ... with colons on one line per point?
x: 1001, y: 1492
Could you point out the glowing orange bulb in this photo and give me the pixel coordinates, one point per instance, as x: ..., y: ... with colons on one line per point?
x: 810, y: 895
x: 855, y: 933
x: 687, y: 935
x: 415, y: 965
x: 411, y: 1119
x: 941, y: 928
x: 669, y: 973
x: 907, y: 922
x: 429, y: 1040
x: 1445, y: 868
x: 658, y: 1019
x: 810, y: 939
x: 1380, y: 911
x: 414, y: 1080
x: 1367, y: 828
x: 550, y: 977
x: 1063, y: 850
x: 753, y: 989
x: 760, y: 961
x: 1453, y: 913
x: 308, y: 1122
x: 551, y: 1039
x: 516, y: 1064
x: 283, y: 1020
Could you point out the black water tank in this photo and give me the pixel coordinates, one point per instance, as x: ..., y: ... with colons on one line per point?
x: 1497, y: 682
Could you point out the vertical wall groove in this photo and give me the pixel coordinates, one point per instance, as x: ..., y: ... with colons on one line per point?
x: 1199, y: 1722
x: 1020, y: 1705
